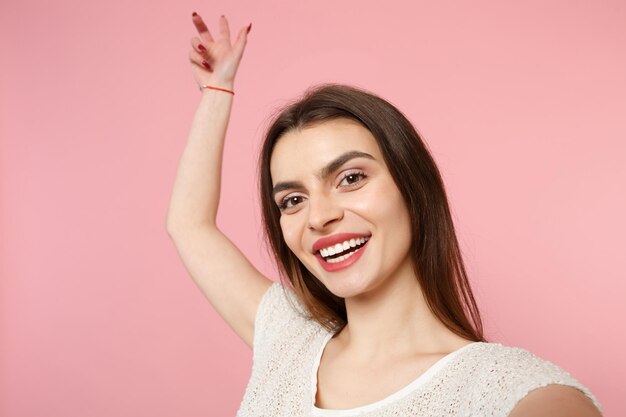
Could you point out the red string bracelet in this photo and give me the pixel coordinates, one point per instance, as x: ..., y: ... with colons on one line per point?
x: 216, y: 88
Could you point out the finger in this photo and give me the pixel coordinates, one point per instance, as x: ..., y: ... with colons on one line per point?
x: 200, y: 47
x: 203, y: 30
x: 196, y: 58
x: 224, y: 29
x: 242, y: 40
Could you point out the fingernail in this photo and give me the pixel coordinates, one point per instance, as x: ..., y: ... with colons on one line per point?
x: 194, y: 14
x: 206, y: 65
x: 202, y: 48
x: 249, y: 27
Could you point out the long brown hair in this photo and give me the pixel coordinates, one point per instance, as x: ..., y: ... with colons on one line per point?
x: 435, y: 252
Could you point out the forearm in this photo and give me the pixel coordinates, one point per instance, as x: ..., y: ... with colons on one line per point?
x: 196, y: 192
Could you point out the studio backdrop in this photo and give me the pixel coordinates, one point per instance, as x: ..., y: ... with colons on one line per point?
x: 521, y: 103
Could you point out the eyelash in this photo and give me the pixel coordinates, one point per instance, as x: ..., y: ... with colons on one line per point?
x: 284, y: 201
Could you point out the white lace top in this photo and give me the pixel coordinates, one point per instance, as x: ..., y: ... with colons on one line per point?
x: 480, y: 379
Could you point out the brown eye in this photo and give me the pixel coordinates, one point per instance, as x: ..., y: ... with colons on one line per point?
x: 353, y: 178
x: 284, y: 204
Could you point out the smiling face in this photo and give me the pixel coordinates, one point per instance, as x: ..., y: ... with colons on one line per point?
x: 331, y: 179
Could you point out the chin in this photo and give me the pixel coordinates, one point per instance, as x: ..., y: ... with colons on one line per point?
x: 349, y: 287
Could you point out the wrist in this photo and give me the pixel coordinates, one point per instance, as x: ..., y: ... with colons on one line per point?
x: 226, y: 85
x: 210, y: 90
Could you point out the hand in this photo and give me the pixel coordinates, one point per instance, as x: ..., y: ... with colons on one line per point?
x: 221, y: 58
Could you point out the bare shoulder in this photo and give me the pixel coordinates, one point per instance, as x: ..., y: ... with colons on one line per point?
x: 555, y: 400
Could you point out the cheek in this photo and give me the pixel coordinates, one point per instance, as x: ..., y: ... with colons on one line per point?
x: 289, y: 232
x: 398, y: 210
x: 384, y: 206
x: 402, y: 225
x: 393, y: 202
x: 379, y: 202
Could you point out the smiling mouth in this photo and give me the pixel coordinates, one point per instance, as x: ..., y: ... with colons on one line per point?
x: 344, y: 254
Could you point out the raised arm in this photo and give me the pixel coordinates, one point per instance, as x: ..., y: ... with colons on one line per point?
x: 228, y: 280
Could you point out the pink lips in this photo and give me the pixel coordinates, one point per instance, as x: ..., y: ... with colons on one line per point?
x: 333, y: 240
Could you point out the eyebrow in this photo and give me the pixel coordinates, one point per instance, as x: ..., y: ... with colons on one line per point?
x: 323, y: 173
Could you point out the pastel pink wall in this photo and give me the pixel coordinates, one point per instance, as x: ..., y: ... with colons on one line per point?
x: 522, y: 103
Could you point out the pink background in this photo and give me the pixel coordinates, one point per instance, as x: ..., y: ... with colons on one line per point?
x: 522, y: 103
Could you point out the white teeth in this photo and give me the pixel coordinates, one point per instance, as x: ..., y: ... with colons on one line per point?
x: 340, y: 247
x: 342, y: 257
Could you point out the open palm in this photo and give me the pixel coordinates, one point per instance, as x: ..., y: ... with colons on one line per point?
x: 215, y: 61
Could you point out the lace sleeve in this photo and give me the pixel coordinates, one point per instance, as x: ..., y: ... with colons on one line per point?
x: 274, y: 316
x: 507, y: 379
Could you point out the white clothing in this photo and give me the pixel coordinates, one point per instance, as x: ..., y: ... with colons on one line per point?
x: 480, y: 379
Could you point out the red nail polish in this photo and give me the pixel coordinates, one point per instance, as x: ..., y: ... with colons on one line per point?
x: 206, y: 65
x: 202, y: 48
x: 249, y: 27
x: 194, y: 14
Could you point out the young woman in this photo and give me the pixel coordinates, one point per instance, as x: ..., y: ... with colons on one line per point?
x: 381, y: 319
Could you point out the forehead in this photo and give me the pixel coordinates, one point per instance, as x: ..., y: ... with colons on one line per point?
x: 301, y: 152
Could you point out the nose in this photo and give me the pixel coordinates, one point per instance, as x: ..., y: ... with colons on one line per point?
x: 323, y: 210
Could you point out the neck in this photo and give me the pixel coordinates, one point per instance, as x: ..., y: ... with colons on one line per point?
x: 394, y: 319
